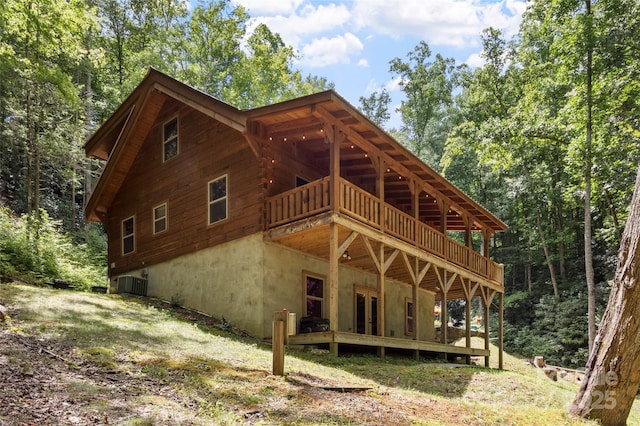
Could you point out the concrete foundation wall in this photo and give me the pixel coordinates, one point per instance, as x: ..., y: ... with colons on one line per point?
x: 222, y: 281
x: 283, y: 288
x: 247, y: 280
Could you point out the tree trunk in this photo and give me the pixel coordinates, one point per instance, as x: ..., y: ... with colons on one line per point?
x: 547, y: 255
x: 614, y: 213
x: 588, y: 255
x: 613, y: 369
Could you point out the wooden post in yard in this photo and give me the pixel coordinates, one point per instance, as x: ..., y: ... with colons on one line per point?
x: 279, y: 334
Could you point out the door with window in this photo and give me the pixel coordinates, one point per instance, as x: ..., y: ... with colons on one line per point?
x: 366, y: 311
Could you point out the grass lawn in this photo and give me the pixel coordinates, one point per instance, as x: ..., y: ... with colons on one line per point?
x: 79, y: 358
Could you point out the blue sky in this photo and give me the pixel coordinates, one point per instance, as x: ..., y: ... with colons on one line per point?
x: 350, y: 42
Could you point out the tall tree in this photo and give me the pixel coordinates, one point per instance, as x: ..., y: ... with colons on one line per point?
x: 376, y: 106
x: 428, y: 86
x: 612, y: 373
x: 42, y: 43
x: 588, y: 254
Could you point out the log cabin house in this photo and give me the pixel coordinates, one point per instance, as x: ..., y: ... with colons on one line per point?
x: 305, y: 205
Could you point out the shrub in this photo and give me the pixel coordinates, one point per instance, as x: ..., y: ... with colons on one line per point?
x: 33, y: 248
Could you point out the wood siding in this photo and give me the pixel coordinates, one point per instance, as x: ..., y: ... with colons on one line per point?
x: 207, y: 150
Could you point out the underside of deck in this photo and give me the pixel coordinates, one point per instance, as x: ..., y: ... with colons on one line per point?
x: 404, y: 262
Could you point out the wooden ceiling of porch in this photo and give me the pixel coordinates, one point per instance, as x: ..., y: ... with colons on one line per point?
x: 306, y: 122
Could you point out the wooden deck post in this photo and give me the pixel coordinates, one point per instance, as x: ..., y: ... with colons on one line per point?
x: 467, y: 315
x: 444, y: 210
x: 416, y: 308
x: 333, y: 283
x: 334, y: 176
x: 444, y: 314
x: 487, y: 297
x: 277, y: 342
x: 380, y: 192
x: 501, y: 332
x: 334, y: 167
x: 381, y: 308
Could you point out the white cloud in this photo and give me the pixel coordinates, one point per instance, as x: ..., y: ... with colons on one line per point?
x: 439, y: 22
x: 475, y: 60
x: 372, y: 86
x: 329, y: 51
x: 269, y: 7
x: 393, y: 85
x: 303, y: 21
x: 363, y: 63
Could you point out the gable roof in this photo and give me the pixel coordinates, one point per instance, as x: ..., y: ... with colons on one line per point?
x: 119, y: 139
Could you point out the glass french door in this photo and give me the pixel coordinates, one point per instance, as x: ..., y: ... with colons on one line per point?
x: 366, y: 311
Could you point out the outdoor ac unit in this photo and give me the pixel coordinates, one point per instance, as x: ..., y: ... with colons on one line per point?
x: 132, y: 285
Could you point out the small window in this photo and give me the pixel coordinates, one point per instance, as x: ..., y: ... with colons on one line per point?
x: 170, y: 139
x: 409, y: 315
x: 128, y: 236
x: 160, y: 218
x: 314, y: 295
x: 218, y: 206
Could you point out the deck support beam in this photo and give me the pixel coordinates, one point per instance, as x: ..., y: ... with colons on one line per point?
x: 466, y: 287
x: 487, y: 297
x: 501, y: 332
x: 381, y: 304
x: 334, y: 256
x: 334, y: 243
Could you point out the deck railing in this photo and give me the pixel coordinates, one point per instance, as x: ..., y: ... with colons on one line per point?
x: 314, y: 198
x: 298, y: 203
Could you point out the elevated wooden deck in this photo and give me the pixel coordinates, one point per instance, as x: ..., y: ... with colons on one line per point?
x: 382, y: 342
x: 334, y: 219
x: 299, y: 218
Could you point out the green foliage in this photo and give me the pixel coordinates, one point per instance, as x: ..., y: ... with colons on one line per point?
x: 426, y: 113
x: 33, y: 248
x: 555, y: 329
x: 376, y: 106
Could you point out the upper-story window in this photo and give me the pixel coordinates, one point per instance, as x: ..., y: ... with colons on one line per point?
x: 128, y: 236
x: 218, y: 206
x: 160, y: 218
x: 170, y: 139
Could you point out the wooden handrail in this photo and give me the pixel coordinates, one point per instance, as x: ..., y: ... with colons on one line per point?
x: 314, y: 198
x: 298, y: 203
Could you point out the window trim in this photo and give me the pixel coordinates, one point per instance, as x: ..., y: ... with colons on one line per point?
x: 155, y: 219
x: 225, y: 198
x: 164, y: 138
x: 132, y: 235
x: 409, y: 330
x: 305, y: 275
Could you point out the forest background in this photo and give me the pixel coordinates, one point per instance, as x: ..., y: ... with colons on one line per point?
x: 545, y: 135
